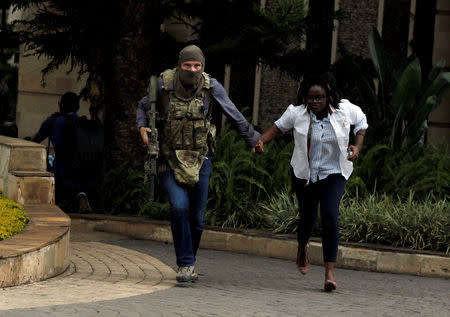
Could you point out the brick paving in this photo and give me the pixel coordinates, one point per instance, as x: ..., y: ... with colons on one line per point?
x: 111, y: 275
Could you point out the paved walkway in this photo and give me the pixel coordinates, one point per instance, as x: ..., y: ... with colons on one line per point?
x: 111, y: 275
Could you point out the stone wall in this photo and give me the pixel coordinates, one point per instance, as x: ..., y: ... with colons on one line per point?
x: 278, y: 91
x: 360, y: 17
x: 23, y: 175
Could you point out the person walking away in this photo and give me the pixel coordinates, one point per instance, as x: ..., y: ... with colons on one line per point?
x: 69, y: 194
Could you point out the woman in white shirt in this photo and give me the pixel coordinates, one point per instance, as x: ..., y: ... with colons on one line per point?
x: 321, y: 162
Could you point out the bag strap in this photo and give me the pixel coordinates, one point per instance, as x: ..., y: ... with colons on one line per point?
x: 164, y: 101
x: 210, y: 101
x: 48, y: 146
x: 308, y: 140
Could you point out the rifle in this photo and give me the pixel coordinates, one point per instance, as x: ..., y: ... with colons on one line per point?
x: 153, y: 144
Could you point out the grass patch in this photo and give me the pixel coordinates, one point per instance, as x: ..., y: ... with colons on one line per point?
x: 375, y: 218
x: 421, y: 225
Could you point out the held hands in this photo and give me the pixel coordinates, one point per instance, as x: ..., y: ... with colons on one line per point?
x: 144, y: 136
x: 259, y: 147
x: 270, y: 134
x: 353, y: 152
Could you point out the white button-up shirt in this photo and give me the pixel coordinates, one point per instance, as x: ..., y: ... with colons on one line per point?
x: 298, y: 119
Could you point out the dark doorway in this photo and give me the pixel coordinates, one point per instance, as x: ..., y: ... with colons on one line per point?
x: 319, y: 35
x: 395, y: 30
x: 423, y: 42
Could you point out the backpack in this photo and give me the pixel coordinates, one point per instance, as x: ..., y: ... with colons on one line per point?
x: 83, y: 145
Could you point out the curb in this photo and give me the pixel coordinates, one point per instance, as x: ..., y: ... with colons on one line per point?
x: 350, y: 256
x: 40, y: 251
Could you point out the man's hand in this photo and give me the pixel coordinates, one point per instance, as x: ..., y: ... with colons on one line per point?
x: 259, y: 147
x: 144, y: 136
x: 36, y: 138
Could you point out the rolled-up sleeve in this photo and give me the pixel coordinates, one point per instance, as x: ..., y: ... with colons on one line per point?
x: 361, y: 125
x: 355, y: 115
x: 141, y: 112
x: 358, y: 119
x: 244, y: 128
x: 287, y: 120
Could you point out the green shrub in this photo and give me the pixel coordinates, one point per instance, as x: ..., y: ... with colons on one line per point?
x: 235, y: 180
x: 158, y: 209
x: 121, y: 191
x: 12, y: 218
x: 398, y: 105
x: 398, y: 172
x: 124, y: 192
x: 281, y: 212
x: 422, y: 225
x: 239, y: 179
x: 410, y: 224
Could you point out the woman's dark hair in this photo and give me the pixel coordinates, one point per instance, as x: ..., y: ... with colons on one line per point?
x: 70, y: 102
x: 320, y: 80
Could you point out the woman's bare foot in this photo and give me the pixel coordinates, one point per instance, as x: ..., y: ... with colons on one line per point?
x: 302, y: 259
x: 330, y: 284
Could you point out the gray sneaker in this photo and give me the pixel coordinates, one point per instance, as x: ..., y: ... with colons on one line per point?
x: 186, y: 274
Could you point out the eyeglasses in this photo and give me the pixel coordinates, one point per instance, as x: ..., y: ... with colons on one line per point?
x: 315, y: 98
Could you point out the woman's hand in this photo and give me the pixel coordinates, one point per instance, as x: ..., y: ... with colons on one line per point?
x: 259, y: 147
x: 353, y: 152
x: 144, y: 136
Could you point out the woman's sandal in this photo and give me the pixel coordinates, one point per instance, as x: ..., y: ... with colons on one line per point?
x: 302, y: 259
x: 330, y: 285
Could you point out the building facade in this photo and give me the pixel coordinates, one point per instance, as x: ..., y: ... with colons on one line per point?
x: 399, y: 22
x: 267, y: 92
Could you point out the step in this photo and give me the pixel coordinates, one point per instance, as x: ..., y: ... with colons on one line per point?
x: 30, y: 187
x: 40, y: 251
x: 21, y: 155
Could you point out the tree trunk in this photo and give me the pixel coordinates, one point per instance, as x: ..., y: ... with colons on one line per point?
x: 124, y: 79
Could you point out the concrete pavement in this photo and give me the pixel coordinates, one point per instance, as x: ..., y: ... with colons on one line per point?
x: 97, y: 271
x: 112, y: 275
x: 355, y: 256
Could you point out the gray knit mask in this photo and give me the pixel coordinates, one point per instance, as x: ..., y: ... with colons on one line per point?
x: 187, y: 84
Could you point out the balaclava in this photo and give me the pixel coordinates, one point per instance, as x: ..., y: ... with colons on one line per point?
x: 187, y: 84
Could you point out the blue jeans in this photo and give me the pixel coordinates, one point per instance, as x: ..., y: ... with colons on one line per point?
x: 187, y: 210
x: 328, y: 192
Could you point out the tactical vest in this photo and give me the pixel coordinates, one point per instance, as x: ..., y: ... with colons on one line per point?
x: 188, y: 133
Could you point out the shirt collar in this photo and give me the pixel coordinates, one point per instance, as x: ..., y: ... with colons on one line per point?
x: 330, y: 109
x: 314, y: 118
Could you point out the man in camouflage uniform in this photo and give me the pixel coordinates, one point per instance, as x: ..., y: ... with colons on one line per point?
x: 185, y: 95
